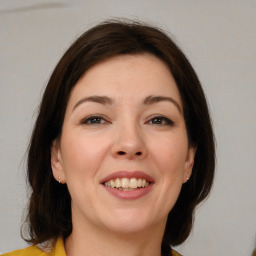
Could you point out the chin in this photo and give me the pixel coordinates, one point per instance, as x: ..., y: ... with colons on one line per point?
x: 128, y: 228
x: 130, y: 221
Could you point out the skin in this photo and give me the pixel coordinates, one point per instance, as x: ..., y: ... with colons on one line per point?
x: 129, y: 135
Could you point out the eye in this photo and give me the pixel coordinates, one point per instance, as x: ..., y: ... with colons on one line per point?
x: 160, y: 120
x: 94, y: 120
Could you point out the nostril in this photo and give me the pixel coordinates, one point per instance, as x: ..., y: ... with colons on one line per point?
x: 121, y: 153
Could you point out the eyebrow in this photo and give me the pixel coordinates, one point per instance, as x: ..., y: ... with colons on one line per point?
x: 97, y: 99
x: 104, y: 100
x: 155, y: 99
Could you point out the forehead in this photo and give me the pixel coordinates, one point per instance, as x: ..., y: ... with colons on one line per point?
x: 127, y: 76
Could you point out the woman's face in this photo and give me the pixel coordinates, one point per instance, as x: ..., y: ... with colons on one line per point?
x: 123, y: 151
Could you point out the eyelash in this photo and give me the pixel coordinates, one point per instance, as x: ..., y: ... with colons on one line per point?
x: 93, y: 120
x: 161, y: 119
x: 97, y: 120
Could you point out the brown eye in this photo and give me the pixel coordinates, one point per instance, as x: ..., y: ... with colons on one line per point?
x: 160, y: 120
x: 94, y: 120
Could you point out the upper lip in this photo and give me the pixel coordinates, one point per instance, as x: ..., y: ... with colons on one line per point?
x: 127, y: 174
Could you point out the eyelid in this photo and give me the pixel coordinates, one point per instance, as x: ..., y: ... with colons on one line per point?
x: 87, y: 118
x: 167, y: 119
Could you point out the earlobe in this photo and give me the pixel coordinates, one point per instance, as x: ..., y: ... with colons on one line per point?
x: 189, y: 163
x: 56, y: 162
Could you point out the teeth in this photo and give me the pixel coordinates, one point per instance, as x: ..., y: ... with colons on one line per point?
x: 112, y: 183
x: 116, y: 183
x: 127, y: 184
x: 133, y: 183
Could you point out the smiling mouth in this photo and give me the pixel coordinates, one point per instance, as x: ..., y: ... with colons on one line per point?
x: 126, y: 184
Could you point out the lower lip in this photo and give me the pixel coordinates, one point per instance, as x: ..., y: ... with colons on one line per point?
x: 130, y: 195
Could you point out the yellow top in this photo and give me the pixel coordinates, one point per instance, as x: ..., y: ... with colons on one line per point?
x: 57, y: 250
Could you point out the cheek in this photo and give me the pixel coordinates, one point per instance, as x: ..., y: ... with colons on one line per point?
x: 170, y: 156
x: 82, y: 156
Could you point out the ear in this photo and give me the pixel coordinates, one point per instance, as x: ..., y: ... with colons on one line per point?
x: 189, y: 163
x: 56, y: 162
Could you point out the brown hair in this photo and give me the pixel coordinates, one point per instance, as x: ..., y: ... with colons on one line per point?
x: 49, y: 211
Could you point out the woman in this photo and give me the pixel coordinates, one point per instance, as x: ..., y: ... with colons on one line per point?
x: 122, y: 150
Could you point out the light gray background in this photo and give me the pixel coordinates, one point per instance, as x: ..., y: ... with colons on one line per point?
x: 219, y: 37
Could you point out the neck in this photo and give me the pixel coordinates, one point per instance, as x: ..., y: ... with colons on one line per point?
x: 97, y: 242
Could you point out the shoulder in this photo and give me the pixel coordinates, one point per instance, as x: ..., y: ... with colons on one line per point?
x: 174, y: 253
x: 32, y: 250
x: 53, y: 248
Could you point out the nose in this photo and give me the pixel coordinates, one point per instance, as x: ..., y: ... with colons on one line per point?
x: 129, y: 144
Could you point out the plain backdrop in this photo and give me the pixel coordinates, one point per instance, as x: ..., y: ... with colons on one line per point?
x: 219, y: 38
